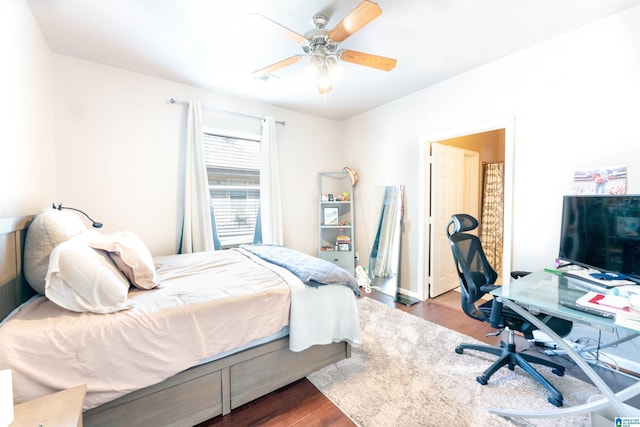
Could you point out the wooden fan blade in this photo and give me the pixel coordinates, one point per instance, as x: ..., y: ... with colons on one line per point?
x: 275, y: 67
x: 270, y: 25
x: 368, y: 60
x: 364, y: 13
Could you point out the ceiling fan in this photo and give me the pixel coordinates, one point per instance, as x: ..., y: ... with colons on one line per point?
x: 320, y: 45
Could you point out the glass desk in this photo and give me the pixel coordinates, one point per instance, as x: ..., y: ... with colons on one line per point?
x: 544, y: 292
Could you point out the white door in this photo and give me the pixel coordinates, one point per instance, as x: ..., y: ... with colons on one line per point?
x: 454, y: 189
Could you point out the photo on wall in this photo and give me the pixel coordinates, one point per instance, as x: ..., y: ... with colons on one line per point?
x: 602, y: 180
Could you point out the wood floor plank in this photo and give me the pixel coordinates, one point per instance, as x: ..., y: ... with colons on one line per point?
x: 298, y: 404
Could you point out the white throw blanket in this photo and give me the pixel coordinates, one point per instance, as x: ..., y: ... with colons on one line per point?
x: 319, y: 315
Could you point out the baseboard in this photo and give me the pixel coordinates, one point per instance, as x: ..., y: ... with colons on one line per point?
x: 409, y: 294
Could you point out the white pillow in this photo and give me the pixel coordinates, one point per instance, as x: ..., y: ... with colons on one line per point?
x: 130, y: 255
x: 81, y: 279
x: 47, y: 230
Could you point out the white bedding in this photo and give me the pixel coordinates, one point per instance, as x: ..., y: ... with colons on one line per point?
x: 194, y: 316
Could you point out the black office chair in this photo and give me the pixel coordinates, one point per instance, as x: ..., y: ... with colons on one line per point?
x: 477, y: 278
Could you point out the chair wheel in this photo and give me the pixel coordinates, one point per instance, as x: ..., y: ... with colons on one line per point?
x: 558, y: 372
x: 555, y: 402
x: 482, y: 380
x: 459, y: 350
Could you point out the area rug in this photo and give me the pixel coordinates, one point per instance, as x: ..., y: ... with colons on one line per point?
x: 406, y: 373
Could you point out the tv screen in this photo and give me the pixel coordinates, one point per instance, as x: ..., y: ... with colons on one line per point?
x: 602, y: 232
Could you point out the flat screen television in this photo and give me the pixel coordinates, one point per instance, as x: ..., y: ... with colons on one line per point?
x: 602, y: 232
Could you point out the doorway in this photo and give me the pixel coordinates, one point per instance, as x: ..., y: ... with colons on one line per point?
x: 494, y: 142
x: 455, y: 184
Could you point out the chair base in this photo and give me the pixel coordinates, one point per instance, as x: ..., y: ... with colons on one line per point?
x: 508, y: 356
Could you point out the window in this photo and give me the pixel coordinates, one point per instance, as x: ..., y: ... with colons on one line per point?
x: 233, y: 170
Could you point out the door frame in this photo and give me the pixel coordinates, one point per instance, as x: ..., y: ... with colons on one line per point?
x: 425, y: 184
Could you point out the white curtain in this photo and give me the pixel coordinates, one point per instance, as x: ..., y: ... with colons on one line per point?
x: 270, y: 205
x: 197, y: 233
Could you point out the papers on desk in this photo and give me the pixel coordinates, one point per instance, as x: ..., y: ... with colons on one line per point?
x: 612, y: 304
x: 595, y: 277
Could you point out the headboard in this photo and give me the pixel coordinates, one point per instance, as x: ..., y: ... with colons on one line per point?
x: 14, y: 289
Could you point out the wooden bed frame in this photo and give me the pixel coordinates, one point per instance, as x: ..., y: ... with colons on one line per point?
x: 194, y: 395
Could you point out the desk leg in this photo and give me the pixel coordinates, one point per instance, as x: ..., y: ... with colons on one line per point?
x: 609, y: 397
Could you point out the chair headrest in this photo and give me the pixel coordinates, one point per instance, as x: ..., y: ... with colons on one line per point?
x: 463, y: 222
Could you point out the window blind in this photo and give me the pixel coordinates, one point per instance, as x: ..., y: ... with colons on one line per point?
x: 233, y: 170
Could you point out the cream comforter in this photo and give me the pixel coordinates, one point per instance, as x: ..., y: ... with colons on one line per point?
x: 209, y: 303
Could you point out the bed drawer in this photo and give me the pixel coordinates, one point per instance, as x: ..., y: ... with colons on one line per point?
x: 196, y: 397
x: 254, y: 377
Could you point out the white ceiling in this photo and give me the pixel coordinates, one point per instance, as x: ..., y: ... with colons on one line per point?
x: 211, y: 44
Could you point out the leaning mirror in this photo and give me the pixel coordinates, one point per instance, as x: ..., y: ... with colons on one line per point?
x: 384, y: 260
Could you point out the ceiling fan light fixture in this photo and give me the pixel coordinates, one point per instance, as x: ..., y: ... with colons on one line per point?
x: 335, y: 71
x: 313, y: 66
x: 320, y: 45
x: 324, y: 79
x: 326, y: 89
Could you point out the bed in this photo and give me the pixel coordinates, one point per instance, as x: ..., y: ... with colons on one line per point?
x: 204, y: 379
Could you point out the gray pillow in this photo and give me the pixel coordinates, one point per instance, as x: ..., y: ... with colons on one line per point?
x: 47, y: 231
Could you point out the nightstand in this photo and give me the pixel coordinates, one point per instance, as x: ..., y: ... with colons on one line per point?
x: 60, y: 409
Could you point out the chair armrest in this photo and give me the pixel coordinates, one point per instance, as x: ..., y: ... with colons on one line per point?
x: 518, y: 274
x: 488, y: 288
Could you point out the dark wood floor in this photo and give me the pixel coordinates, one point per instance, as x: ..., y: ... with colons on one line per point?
x: 301, y: 404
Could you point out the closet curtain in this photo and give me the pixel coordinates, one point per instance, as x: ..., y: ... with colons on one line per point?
x: 491, y: 233
x: 269, y: 226
x: 197, y: 226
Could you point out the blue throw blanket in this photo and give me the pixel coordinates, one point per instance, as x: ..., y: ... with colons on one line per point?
x: 312, y: 271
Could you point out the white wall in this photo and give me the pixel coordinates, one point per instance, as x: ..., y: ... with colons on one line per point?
x: 119, y: 145
x: 27, y: 158
x: 575, y: 101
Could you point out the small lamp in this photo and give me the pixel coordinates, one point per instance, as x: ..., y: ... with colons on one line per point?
x: 60, y: 207
x: 6, y: 398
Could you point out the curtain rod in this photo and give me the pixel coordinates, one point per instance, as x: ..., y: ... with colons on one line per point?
x: 233, y: 113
